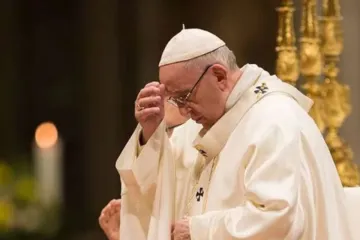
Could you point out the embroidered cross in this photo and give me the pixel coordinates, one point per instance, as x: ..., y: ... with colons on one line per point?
x: 199, y: 194
x: 261, y: 89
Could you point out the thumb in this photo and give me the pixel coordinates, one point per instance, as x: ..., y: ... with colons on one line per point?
x: 162, y: 88
x: 162, y: 91
x: 162, y: 95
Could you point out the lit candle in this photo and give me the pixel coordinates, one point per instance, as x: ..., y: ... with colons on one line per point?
x: 48, y: 153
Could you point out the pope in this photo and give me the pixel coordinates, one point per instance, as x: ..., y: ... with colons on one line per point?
x: 249, y: 164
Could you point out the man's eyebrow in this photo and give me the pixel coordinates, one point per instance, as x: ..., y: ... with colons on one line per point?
x: 180, y: 92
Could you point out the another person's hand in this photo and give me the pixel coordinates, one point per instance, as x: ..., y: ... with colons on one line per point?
x: 149, y: 108
x: 109, y: 219
x: 181, y: 230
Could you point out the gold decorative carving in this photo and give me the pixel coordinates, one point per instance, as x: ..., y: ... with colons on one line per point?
x: 311, y: 61
x: 337, y: 98
x: 319, y: 55
x: 287, y: 64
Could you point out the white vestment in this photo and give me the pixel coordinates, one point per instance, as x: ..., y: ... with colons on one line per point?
x: 263, y: 171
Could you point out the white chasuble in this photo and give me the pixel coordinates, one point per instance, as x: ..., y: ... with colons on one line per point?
x: 264, y: 172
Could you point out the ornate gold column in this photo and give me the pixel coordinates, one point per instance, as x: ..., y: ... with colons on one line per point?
x: 311, y: 60
x: 287, y: 67
x: 337, y: 107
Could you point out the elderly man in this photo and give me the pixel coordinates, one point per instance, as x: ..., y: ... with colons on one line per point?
x: 257, y: 168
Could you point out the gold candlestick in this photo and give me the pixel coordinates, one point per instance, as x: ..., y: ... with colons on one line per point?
x: 287, y: 67
x: 337, y: 106
x: 311, y: 60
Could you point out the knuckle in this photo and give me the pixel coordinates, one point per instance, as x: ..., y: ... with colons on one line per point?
x: 154, y: 89
x: 153, y: 83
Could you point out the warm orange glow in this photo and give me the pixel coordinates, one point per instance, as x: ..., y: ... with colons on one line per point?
x: 46, y: 135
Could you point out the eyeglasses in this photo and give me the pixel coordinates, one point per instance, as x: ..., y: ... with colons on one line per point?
x: 181, y: 101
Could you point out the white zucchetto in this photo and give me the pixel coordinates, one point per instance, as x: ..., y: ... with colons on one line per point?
x: 189, y: 44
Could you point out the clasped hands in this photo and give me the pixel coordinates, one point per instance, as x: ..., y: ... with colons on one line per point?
x: 180, y: 230
x: 109, y: 221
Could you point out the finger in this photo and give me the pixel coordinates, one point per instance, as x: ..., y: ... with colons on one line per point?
x: 117, y: 209
x: 162, y: 90
x: 114, y: 209
x: 107, y: 213
x: 148, y: 91
x: 105, y: 209
x: 154, y: 83
x: 103, y: 225
x: 147, y: 112
x: 162, y: 94
x: 112, y: 203
x: 117, y: 204
x: 118, y: 201
x: 111, y: 212
x: 151, y: 101
x: 105, y: 218
x: 117, y: 216
x: 102, y: 221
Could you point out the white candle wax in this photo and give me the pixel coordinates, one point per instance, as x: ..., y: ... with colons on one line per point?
x: 48, y: 154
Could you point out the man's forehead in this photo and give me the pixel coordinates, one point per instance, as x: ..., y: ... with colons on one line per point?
x: 170, y: 71
x: 174, y: 77
x: 171, y: 86
x: 174, y: 88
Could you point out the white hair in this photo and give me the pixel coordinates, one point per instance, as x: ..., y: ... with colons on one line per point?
x: 222, y: 55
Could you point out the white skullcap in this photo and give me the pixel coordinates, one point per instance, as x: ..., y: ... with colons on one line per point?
x: 189, y: 44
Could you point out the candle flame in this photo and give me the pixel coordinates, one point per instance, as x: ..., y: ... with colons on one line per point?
x: 46, y: 135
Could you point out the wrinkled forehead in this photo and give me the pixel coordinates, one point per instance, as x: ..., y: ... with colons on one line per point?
x: 175, y: 77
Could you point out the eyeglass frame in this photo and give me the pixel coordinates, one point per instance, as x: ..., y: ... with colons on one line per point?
x: 184, y: 99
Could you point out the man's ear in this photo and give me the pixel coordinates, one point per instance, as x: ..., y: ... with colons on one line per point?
x: 221, y: 73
